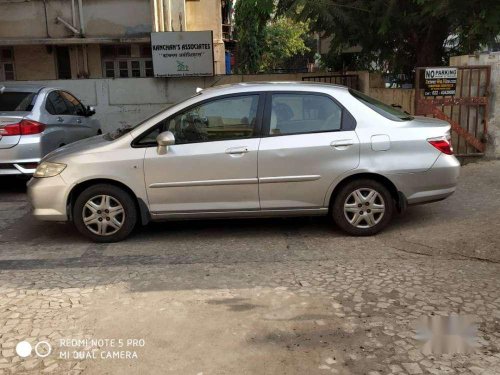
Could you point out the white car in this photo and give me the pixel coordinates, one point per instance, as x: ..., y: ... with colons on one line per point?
x: 251, y: 150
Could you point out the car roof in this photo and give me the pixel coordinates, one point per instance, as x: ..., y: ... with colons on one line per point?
x: 275, y: 85
x: 20, y: 88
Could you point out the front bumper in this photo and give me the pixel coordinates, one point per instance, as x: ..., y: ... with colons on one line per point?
x: 438, y: 183
x: 49, y: 197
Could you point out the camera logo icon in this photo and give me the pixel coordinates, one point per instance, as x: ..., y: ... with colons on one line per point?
x: 42, y: 349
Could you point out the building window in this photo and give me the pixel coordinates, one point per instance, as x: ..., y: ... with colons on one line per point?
x: 63, y: 63
x: 7, y: 71
x: 127, y: 61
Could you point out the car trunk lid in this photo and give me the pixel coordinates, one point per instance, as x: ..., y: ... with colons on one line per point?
x: 6, y: 119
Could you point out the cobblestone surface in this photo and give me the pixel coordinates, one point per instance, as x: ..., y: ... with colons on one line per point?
x: 256, y: 297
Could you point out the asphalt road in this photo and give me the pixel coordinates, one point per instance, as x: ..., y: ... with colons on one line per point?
x: 271, y: 296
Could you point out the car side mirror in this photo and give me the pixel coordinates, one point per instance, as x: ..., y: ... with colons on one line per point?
x: 90, y: 111
x: 164, y: 140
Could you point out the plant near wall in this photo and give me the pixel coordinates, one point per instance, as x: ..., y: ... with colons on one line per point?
x: 284, y: 39
x: 399, y: 34
x: 251, y: 17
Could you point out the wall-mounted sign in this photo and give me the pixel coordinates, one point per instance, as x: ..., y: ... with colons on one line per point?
x: 440, y: 81
x: 182, y: 53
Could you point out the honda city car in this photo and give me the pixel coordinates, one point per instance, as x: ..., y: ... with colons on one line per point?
x: 251, y: 150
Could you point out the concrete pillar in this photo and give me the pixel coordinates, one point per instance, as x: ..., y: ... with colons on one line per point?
x: 168, y: 15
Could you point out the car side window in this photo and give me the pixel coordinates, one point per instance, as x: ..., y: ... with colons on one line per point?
x: 75, y: 108
x: 303, y: 113
x: 55, y: 104
x: 220, y: 119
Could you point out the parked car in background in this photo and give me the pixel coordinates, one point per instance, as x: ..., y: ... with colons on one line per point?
x: 35, y: 120
x: 251, y: 150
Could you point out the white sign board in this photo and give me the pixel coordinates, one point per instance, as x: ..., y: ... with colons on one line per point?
x: 440, y: 81
x: 182, y: 53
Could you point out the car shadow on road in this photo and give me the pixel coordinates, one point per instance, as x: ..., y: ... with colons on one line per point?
x: 45, y: 245
x: 12, y: 185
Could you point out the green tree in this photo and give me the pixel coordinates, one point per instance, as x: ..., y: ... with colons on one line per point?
x: 251, y: 17
x: 284, y: 39
x: 400, y: 34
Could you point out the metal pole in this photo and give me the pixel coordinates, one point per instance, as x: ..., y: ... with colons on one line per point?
x: 80, y: 12
x: 73, y: 13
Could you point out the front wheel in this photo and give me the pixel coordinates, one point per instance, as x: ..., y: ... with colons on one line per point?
x: 363, y: 207
x: 104, y: 213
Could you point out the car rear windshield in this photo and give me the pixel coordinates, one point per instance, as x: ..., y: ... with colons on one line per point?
x: 388, y: 111
x: 16, y: 101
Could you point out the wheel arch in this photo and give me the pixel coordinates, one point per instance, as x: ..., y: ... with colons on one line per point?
x: 141, y: 206
x: 398, y: 196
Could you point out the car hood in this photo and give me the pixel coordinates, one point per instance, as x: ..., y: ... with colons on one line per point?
x: 79, y: 147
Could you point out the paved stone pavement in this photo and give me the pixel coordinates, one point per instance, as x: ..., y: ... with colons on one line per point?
x: 291, y: 296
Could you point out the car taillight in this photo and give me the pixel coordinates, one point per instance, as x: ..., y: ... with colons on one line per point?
x: 25, y: 127
x: 443, y: 144
x: 11, y: 129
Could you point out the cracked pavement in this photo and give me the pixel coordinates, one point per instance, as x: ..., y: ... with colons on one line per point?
x: 271, y: 296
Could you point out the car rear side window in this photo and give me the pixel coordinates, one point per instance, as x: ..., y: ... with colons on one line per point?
x: 383, y: 109
x: 303, y: 113
x: 16, y: 101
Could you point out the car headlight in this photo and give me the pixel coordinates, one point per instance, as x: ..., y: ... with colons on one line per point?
x: 46, y: 169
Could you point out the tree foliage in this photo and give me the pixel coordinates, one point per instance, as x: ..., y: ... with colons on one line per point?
x: 400, y: 34
x: 251, y: 17
x: 284, y: 39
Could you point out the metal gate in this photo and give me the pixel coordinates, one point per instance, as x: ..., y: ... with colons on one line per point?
x: 349, y: 80
x: 466, y: 111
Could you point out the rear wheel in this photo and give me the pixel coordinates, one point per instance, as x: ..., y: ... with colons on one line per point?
x: 363, y: 207
x: 104, y: 213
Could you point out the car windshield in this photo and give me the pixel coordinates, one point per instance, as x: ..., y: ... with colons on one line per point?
x: 16, y: 101
x: 388, y: 111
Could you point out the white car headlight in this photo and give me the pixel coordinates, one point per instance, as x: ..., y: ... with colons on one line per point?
x: 46, y: 169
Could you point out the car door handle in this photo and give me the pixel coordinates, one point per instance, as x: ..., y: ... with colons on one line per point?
x: 342, y: 144
x: 78, y: 121
x: 237, y: 150
x: 60, y: 119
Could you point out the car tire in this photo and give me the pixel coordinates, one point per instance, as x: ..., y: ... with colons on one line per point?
x: 105, y: 213
x: 363, y: 207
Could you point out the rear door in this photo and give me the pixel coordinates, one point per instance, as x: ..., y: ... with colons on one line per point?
x: 308, y: 141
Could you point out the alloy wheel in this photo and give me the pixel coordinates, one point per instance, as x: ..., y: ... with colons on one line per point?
x: 103, y: 215
x: 364, y: 208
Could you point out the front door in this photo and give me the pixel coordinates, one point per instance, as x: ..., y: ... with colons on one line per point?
x: 79, y: 123
x: 213, y: 165
x: 308, y: 142
x: 65, y: 125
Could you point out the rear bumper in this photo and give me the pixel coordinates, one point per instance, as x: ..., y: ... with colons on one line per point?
x: 438, y: 183
x: 22, y: 158
x: 48, y: 196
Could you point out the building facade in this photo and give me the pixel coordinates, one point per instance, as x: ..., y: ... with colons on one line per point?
x: 75, y: 39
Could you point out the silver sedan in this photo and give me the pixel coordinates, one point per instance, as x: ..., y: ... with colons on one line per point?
x: 251, y: 150
x: 35, y: 120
